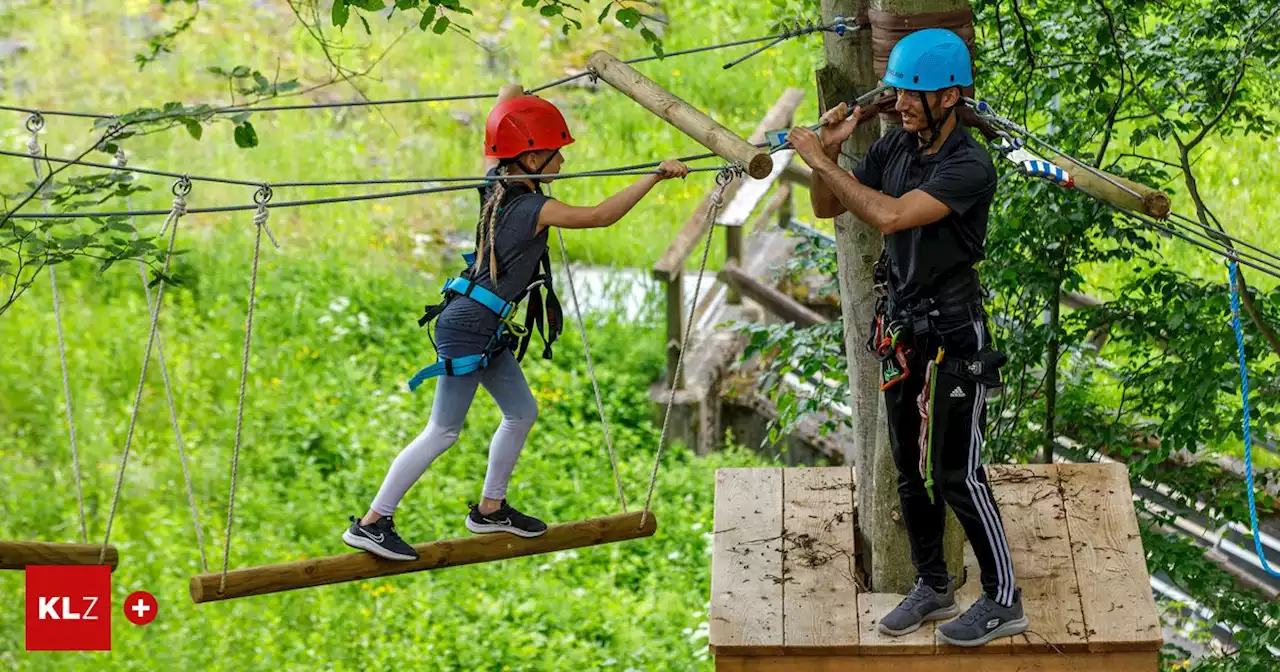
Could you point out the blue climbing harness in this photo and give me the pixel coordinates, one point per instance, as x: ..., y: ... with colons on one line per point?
x: 508, y: 334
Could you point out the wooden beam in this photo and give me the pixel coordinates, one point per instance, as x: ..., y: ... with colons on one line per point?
x: 673, y: 258
x: 774, y: 301
x: 19, y: 554
x: 691, y: 121
x: 434, y: 555
x: 1148, y: 201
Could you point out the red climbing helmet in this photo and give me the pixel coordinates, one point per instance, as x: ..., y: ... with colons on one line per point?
x: 523, y: 124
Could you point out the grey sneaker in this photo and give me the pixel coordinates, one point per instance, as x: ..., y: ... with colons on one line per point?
x: 984, y: 621
x: 922, y: 604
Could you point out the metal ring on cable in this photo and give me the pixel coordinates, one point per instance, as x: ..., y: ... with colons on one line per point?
x: 182, y: 187
x: 263, y: 195
x: 35, y: 122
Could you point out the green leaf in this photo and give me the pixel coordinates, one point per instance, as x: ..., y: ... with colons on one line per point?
x: 240, y: 71
x: 217, y: 71
x: 245, y: 136
x: 442, y: 24
x: 370, y: 5
x: 428, y: 15
x: 364, y: 21
x: 262, y: 81
x: 604, y: 14
x: 530, y: 3
x: 406, y: 4
x: 551, y: 10
x: 628, y: 16
x: 193, y: 127
x: 340, y: 12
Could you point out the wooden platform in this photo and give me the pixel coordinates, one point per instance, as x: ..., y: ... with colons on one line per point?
x: 785, y: 594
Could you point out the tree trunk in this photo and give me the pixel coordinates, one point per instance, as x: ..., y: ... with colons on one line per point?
x: 849, y: 72
x: 880, y: 510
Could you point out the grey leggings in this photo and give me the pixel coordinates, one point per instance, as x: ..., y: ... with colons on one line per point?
x: 505, y: 382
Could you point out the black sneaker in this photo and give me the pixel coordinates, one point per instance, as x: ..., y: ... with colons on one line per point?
x: 379, y: 538
x: 505, y: 519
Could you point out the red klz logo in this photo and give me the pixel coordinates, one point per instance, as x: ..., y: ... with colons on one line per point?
x: 68, y: 608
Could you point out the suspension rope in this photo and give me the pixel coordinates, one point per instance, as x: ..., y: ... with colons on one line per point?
x: 34, y: 123
x: 591, y: 368
x: 723, y: 179
x: 635, y: 169
x: 1235, y: 283
x: 179, y: 209
x: 835, y: 26
x: 121, y: 159
x: 261, y: 198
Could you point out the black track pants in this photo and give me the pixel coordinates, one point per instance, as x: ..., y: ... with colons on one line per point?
x: 955, y: 422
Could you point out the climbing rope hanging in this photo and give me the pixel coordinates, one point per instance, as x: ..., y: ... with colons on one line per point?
x: 260, y: 217
x: 1235, y: 283
x: 34, y: 124
x: 180, y: 191
x: 591, y: 368
x: 121, y: 160
x: 723, y: 179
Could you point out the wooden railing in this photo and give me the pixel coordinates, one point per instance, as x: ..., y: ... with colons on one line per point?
x: 742, y: 198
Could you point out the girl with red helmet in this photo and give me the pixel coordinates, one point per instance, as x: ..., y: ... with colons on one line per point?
x: 524, y: 135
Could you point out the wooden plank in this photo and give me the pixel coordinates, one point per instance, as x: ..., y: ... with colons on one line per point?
x: 871, y: 606
x: 1143, y: 661
x: 673, y: 258
x: 675, y: 328
x: 746, y: 563
x: 820, y: 600
x: 797, y: 172
x: 1035, y: 523
x: 434, y: 555
x: 773, y: 300
x: 1119, y: 610
x: 671, y: 109
x: 19, y: 554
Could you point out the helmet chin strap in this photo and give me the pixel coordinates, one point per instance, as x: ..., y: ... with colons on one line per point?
x: 934, y: 126
x: 537, y: 184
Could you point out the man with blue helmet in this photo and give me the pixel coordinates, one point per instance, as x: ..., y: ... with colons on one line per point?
x: 928, y: 188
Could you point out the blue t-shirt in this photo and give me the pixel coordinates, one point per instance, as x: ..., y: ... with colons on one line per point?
x: 465, y: 326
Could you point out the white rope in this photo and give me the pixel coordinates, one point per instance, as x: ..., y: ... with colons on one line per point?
x: 717, y: 202
x: 591, y: 369
x: 179, y: 207
x: 260, y: 224
x: 34, y: 124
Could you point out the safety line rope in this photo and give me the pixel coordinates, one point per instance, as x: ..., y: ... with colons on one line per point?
x: 33, y: 147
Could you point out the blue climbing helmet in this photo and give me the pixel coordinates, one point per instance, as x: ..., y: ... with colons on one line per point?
x: 929, y: 60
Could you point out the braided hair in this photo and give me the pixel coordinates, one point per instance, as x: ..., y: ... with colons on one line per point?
x: 489, y: 220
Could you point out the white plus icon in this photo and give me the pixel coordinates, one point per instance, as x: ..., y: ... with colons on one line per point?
x: 141, y: 608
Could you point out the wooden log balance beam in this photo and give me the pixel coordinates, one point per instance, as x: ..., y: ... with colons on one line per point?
x: 432, y: 555
x: 692, y: 122
x: 19, y: 554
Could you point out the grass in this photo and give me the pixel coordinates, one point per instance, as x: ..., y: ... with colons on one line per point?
x: 327, y: 410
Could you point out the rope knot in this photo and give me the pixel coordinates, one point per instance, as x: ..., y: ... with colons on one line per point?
x: 261, y: 216
x: 33, y: 145
x: 179, y: 206
x: 121, y: 158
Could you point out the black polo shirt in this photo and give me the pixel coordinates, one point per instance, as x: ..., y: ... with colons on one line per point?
x: 962, y: 176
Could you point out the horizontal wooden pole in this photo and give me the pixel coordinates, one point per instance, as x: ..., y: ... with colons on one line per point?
x: 672, y: 261
x: 774, y: 301
x: 433, y: 555
x: 1149, y: 201
x: 19, y: 554
x: 691, y: 121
